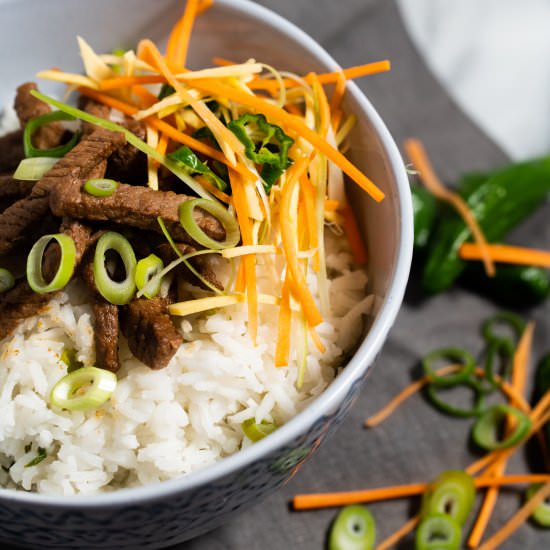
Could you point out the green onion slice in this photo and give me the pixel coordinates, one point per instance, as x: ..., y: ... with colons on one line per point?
x: 34, y: 169
x: 504, y: 318
x: 454, y: 355
x: 255, y: 431
x: 118, y: 293
x: 353, y: 529
x: 502, y: 350
x: 438, y: 532
x: 41, y: 454
x: 452, y: 493
x: 146, y: 269
x: 56, y: 152
x: 68, y: 356
x: 188, y: 222
x: 84, y: 389
x: 7, y: 280
x: 486, y: 428
x: 173, y: 166
x: 541, y: 514
x: 433, y: 391
x: 100, y: 187
x: 66, y: 267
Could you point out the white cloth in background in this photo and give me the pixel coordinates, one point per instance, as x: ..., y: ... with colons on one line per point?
x: 493, y: 57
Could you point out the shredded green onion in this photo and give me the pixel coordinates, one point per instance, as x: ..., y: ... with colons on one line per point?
x: 146, y: 269
x: 56, y: 152
x: 84, y: 389
x: 7, y: 280
x: 178, y: 171
x: 100, y: 187
x: 66, y: 267
x: 188, y: 222
x: 34, y: 169
x: 486, y: 429
x: 41, y: 454
x: 255, y: 431
x: 118, y: 293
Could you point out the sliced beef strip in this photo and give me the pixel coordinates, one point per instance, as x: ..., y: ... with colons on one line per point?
x: 106, y: 335
x: 151, y: 335
x: 135, y: 206
x: 11, y: 151
x: 19, y: 222
x: 27, y: 107
x: 12, y: 190
x: 201, y: 263
x: 21, y: 302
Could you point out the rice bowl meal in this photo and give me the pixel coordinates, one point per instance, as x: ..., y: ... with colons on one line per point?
x: 181, y: 272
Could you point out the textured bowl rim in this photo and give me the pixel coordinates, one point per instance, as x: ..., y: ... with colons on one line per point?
x: 358, y: 365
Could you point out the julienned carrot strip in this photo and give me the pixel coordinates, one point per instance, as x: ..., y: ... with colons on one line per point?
x: 183, y: 34
x: 240, y: 282
x: 518, y: 519
x: 354, y: 236
x: 331, y: 500
x: 402, y: 532
x: 299, y: 285
x: 147, y: 98
x: 295, y: 124
x: 249, y: 261
x: 417, y: 155
x: 317, y: 340
x: 282, y: 349
x: 507, y: 254
x: 164, y: 127
x: 228, y: 142
x: 212, y: 189
x: 308, y: 194
x: 223, y: 62
x: 204, y: 5
x: 518, y: 379
x: 336, y: 101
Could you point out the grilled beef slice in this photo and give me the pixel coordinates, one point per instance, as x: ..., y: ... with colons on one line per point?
x: 27, y: 107
x: 11, y: 151
x: 19, y: 221
x: 106, y: 335
x: 151, y: 335
x: 135, y: 206
x: 12, y: 190
x: 21, y: 302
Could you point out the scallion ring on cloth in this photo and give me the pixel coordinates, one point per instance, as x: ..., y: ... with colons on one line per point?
x: 100, y: 187
x: 7, y: 280
x: 84, y: 389
x: 146, y: 269
x: 452, y: 354
x: 255, y: 431
x: 487, y: 427
x: 353, y: 529
x: 115, y: 292
x: 433, y: 390
x: 504, y: 318
x: 438, y: 532
x: 541, y: 515
x: 452, y: 493
x: 55, y: 152
x: 65, y: 271
x: 34, y: 169
x: 502, y: 350
x: 188, y: 222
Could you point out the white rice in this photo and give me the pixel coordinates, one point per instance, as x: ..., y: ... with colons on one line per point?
x: 161, y: 424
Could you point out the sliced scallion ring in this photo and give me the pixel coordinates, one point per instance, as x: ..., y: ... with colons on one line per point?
x: 100, y: 187
x: 433, y: 391
x: 146, y: 269
x: 452, y: 354
x: 541, y: 515
x: 486, y: 428
x: 438, y: 532
x: 83, y: 389
x: 56, y: 152
x: 34, y: 169
x: 7, y: 280
x: 513, y: 321
x: 452, y: 493
x: 255, y: 431
x: 353, y: 529
x: 115, y: 292
x: 188, y: 222
x: 65, y: 271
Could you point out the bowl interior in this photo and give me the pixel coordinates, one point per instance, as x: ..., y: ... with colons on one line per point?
x: 238, y: 31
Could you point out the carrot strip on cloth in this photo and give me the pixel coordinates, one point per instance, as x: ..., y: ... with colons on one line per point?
x: 417, y: 155
x: 502, y: 253
x: 400, y: 534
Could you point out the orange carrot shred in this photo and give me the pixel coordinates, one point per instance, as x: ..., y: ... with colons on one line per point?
x: 417, y: 155
x: 183, y: 34
x: 336, y: 100
x: 401, y: 533
x: 355, y: 238
x: 507, y: 254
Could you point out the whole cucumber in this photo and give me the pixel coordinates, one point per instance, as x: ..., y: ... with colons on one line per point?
x: 499, y: 202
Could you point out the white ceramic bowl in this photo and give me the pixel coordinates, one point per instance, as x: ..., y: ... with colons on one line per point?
x: 38, y: 34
